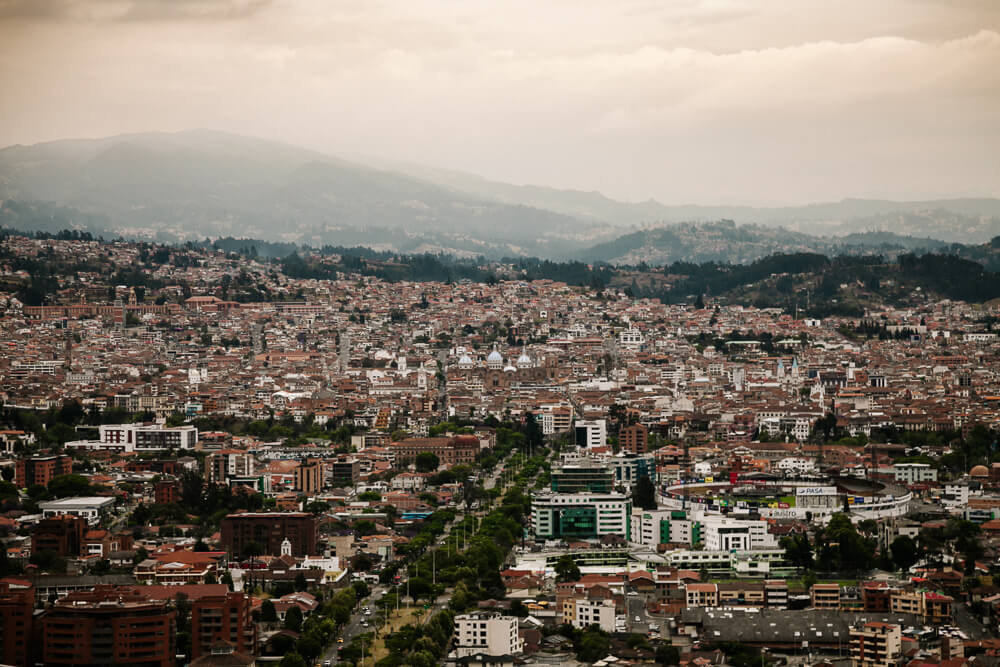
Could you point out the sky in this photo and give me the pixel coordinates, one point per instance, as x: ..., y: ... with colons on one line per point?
x: 684, y: 101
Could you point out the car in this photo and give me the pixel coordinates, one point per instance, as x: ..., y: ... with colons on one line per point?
x: 364, y: 624
x: 633, y: 593
x: 327, y: 663
x: 638, y: 620
x: 340, y: 640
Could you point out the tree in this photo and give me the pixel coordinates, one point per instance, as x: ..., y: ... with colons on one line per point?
x: 567, y: 569
x: 593, y: 645
x: 293, y: 619
x: 644, y: 494
x: 667, y: 654
x: 267, y: 612
x: 300, y: 582
x: 292, y: 659
x: 904, y: 552
x: 66, y: 486
x: 798, y: 550
x: 427, y: 462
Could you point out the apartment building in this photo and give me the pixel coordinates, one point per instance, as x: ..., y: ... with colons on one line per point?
x: 225, y: 464
x: 825, y: 596
x: 875, y: 644
x: 599, y: 612
x: 634, y: 439
x: 16, y: 622
x: 107, y: 626
x: 41, y: 470
x: 486, y: 633
x: 225, y: 617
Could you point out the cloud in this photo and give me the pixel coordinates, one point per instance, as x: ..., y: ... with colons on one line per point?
x: 130, y: 10
x: 686, y: 100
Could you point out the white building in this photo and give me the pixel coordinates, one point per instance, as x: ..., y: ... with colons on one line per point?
x: 725, y: 534
x: 580, y: 515
x: 796, y: 465
x: 486, y: 633
x: 653, y: 527
x: 913, y: 473
x: 91, y: 508
x: 956, y: 495
x: 594, y: 612
x: 140, y: 438
x: 591, y: 433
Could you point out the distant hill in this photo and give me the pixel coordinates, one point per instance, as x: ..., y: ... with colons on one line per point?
x: 724, y: 241
x: 197, y: 184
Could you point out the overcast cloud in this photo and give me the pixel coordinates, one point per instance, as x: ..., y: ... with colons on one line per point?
x: 687, y: 101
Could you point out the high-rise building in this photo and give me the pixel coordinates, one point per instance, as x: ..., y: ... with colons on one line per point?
x: 269, y: 530
x: 633, y: 439
x: 224, y: 464
x: 591, y: 434
x: 16, y: 617
x: 584, y: 475
x: 580, y: 515
x: 41, y: 470
x: 226, y: 617
x: 108, y: 626
x: 309, y: 477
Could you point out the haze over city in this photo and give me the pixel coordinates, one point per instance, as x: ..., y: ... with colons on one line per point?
x: 714, y: 101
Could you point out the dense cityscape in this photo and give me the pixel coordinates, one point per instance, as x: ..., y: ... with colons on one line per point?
x: 214, y: 458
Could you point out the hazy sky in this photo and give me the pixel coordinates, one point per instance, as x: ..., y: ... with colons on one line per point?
x: 687, y: 101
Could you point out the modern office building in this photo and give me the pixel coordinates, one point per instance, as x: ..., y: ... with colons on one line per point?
x: 653, y: 527
x: 725, y: 534
x: 591, y: 434
x: 582, y: 476
x: 580, y: 515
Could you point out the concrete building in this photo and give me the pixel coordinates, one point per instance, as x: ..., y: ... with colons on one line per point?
x: 91, y: 508
x: 914, y: 473
x: 580, y: 515
x: 725, y: 534
x: 653, y: 527
x: 599, y: 612
x: 309, y: 477
x: 875, y: 644
x: 107, y: 626
x: 225, y: 464
x: 591, y: 434
x: 486, y: 633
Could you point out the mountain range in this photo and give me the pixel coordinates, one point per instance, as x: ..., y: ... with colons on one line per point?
x: 197, y: 184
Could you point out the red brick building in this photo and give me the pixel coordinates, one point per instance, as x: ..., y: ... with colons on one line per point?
x: 167, y: 492
x: 269, y: 530
x: 633, y: 439
x: 109, y: 626
x: 16, y: 608
x: 41, y: 470
x: 450, y: 451
x: 226, y: 617
x: 62, y: 534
